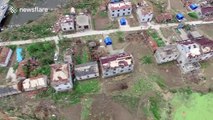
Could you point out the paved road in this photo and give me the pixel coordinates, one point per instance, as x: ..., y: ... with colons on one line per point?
x: 94, y: 32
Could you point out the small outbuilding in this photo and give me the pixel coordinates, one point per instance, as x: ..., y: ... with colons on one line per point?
x: 180, y: 16
x: 108, y: 41
x: 193, y: 6
x: 123, y: 21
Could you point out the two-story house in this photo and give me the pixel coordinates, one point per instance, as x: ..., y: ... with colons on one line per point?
x: 116, y: 64
x: 119, y: 9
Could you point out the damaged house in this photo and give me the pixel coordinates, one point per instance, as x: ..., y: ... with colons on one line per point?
x: 61, y: 78
x: 86, y: 71
x: 116, y: 64
x: 166, y: 54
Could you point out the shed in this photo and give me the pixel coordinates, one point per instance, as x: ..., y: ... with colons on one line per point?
x: 180, y: 16
x: 19, y: 56
x: 108, y: 41
x: 123, y: 21
x: 193, y: 6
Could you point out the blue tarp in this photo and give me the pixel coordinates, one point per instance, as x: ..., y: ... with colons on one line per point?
x: 108, y: 41
x: 179, y: 16
x: 114, y: 1
x: 193, y: 6
x: 123, y: 21
x: 19, y: 56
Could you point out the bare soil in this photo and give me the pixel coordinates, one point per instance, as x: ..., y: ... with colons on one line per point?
x: 104, y: 22
x: 103, y: 108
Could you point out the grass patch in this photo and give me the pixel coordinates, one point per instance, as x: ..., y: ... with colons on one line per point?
x: 103, y: 14
x: 42, y: 51
x: 155, y: 108
x: 80, y: 90
x: 204, y: 65
x: 83, y: 58
x: 196, y: 107
x: 86, y: 105
x: 147, y: 59
x: 158, y: 80
x: 128, y: 101
x: 120, y: 35
x: 140, y: 87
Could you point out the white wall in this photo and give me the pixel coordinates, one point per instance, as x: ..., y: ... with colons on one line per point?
x: 120, y: 13
x: 63, y: 87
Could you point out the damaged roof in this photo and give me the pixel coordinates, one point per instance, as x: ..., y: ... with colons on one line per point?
x: 116, y: 60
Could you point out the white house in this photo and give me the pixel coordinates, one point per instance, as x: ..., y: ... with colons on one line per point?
x: 5, y: 55
x: 116, y: 64
x: 61, y: 78
x: 193, y: 51
x: 144, y: 12
x: 119, y: 9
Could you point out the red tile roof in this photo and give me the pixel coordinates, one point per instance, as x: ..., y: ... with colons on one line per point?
x: 163, y: 17
x: 3, y: 54
x: 206, y: 10
x: 120, y: 6
x: 60, y: 74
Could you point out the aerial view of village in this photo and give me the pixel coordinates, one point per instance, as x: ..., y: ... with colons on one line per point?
x: 106, y: 59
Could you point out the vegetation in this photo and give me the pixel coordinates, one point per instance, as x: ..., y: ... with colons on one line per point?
x: 82, y: 58
x: 147, y: 59
x: 86, y: 105
x: 12, y: 47
x: 156, y: 38
x: 42, y: 51
x: 80, y: 90
x: 103, y: 14
x: 128, y: 101
x: 193, y: 15
x: 38, y: 29
x: 89, y: 5
x: 158, y: 80
x: 140, y: 87
x: 154, y: 108
x: 120, y: 36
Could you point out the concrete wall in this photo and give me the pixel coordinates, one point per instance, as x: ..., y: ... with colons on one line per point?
x: 87, y: 76
x: 63, y: 87
x: 7, y: 59
x: 117, y: 71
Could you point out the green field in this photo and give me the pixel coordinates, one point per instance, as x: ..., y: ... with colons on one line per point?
x: 193, y: 107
